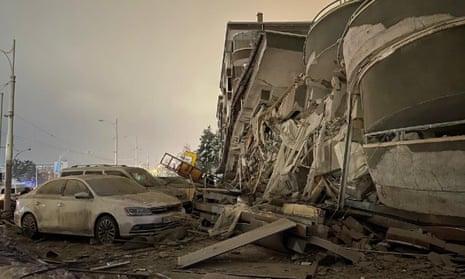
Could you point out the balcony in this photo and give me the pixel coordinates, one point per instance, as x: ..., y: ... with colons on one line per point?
x: 243, y: 44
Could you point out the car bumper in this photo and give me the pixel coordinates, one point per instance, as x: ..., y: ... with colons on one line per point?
x: 145, y: 225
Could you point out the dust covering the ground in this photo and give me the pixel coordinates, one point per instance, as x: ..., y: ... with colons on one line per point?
x: 53, y: 256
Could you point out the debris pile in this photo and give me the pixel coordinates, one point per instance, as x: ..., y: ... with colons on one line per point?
x: 317, y: 237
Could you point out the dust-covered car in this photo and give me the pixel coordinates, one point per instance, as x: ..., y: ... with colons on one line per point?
x: 100, y: 206
x: 139, y: 175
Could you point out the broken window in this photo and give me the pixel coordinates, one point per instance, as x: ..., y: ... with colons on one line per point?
x: 229, y: 84
x: 265, y: 95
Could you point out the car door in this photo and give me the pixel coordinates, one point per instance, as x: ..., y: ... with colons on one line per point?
x: 45, y: 204
x: 75, y: 214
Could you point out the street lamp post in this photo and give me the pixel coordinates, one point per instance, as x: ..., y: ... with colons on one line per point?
x: 116, y: 139
x: 9, y: 138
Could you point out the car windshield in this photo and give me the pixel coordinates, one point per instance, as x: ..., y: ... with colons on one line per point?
x: 110, y: 186
x: 143, y: 177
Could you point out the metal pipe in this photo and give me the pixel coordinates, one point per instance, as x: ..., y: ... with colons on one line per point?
x: 346, y: 162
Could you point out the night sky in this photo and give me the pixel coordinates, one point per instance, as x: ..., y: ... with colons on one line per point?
x: 154, y: 65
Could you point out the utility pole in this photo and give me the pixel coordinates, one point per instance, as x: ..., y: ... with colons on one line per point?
x: 136, y: 154
x: 116, y: 141
x: 9, y: 138
x: 1, y: 116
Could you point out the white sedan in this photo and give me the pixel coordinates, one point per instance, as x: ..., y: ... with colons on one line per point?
x: 104, y: 207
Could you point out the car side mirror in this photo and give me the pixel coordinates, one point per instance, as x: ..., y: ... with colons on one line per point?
x: 82, y: 195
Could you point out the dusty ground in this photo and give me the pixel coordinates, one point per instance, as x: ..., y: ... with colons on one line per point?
x: 20, y: 256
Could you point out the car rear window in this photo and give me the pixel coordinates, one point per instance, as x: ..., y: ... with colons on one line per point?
x: 113, y: 185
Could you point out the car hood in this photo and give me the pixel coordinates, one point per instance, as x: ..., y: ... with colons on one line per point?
x: 180, y: 194
x: 149, y: 199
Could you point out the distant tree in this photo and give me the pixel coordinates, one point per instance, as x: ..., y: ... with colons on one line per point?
x: 24, y: 170
x: 208, y: 153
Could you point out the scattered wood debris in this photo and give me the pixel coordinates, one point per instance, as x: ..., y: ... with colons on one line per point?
x: 235, y: 242
x: 109, y: 265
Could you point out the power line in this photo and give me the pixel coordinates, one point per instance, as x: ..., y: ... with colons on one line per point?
x: 36, y: 126
x: 63, y: 145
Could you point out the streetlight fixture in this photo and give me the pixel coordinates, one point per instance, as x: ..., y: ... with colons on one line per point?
x: 9, y: 138
x: 116, y: 138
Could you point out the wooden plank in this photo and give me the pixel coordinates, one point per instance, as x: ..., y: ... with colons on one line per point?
x: 352, y: 256
x: 315, y: 214
x: 298, y: 245
x: 273, y: 242
x: 299, y: 230
x: 413, y: 238
x: 235, y: 242
x: 446, y: 233
x: 455, y: 248
x: 109, y: 265
x: 353, y: 224
x: 387, y: 222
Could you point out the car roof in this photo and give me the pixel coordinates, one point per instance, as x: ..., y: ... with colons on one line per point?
x: 99, y: 167
x: 89, y: 177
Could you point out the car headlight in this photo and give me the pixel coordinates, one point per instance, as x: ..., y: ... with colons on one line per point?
x: 138, y: 211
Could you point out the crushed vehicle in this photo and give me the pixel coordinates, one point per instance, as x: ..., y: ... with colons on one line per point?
x: 100, y: 206
x: 138, y: 175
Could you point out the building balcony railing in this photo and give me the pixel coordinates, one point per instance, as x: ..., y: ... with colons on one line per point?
x: 245, y: 39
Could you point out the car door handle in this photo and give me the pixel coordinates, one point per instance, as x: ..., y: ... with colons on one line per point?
x: 38, y: 203
x: 60, y: 204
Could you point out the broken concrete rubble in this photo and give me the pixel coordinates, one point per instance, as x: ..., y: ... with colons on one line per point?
x: 347, y: 238
x: 309, y: 144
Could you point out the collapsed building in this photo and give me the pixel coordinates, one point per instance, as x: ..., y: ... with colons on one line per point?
x: 360, y: 108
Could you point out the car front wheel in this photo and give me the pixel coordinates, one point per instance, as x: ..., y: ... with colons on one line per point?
x: 29, y: 226
x: 106, y: 229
